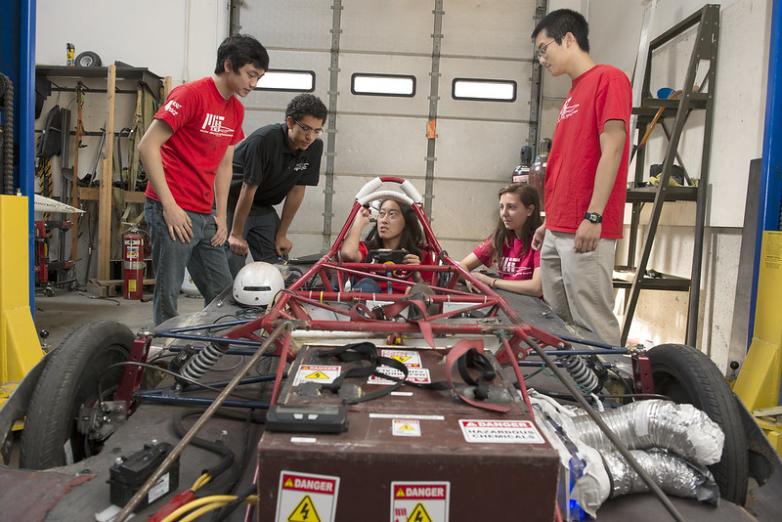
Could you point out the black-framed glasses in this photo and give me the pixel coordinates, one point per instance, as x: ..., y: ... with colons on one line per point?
x: 307, y: 129
x: 541, y: 51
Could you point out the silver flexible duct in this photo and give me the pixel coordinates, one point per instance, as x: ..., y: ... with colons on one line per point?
x: 679, y: 428
x: 674, y: 475
x: 647, y: 424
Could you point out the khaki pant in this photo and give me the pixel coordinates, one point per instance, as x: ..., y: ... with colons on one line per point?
x: 578, y: 286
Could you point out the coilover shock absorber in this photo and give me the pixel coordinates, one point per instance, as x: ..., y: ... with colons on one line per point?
x: 203, y: 360
x: 586, y: 379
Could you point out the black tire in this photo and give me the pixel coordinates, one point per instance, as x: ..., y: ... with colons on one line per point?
x: 69, y: 380
x: 688, y: 376
x: 88, y: 59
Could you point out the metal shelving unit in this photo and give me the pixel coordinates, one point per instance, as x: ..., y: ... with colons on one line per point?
x: 692, y: 98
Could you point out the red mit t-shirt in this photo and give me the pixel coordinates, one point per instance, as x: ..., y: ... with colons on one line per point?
x: 517, y: 262
x: 204, y: 125
x: 602, y: 93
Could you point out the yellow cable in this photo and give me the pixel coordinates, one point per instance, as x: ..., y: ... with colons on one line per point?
x: 197, y: 503
x: 251, y: 499
x: 202, y: 511
x: 201, y: 481
x: 203, y: 501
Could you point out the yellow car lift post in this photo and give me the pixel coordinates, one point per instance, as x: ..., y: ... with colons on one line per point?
x: 760, y: 377
x: 758, y: 384
x: 20, y: 349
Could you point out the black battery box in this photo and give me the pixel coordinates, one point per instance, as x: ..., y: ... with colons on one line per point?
x: 128, y: 474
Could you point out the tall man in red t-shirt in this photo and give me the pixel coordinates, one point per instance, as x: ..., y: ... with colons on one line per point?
x: 586, y: 178
x: 187, y: 153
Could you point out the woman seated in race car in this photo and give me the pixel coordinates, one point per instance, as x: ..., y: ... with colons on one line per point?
x: 510, y: 245
x: 397, y: 230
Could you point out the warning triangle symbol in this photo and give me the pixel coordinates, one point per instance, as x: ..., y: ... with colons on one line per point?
x: 419, y: 514
x: 316, y: 375
x: 400, y: 492
x: 407, y: 427
x: 288, y: 483
x: 305, y: 512
x: 402, y: 358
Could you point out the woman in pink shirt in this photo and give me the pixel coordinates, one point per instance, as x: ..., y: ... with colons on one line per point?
x: 518, y: 265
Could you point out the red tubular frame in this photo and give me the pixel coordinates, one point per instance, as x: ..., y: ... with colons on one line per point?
x: 290, y: 303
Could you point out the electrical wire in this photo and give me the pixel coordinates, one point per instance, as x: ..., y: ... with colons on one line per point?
x: 173, y: 374
x: 203, y: 511
x: 204, y: 501
x: 227, y: 456
x: 230, y: 507
x: 201, y: 481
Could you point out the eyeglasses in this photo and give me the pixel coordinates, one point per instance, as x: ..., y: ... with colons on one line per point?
x: 307, y: 129
x: 391, y: 214
x: 541, y: 51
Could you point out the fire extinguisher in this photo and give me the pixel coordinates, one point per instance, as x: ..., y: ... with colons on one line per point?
x: 133, y: 265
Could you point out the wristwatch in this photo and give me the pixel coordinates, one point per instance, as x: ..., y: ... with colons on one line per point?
x: 593, y: 217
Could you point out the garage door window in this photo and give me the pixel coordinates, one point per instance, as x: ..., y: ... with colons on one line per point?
x: 287, y: 80
x: 484, y: 90
x: 382, y: 84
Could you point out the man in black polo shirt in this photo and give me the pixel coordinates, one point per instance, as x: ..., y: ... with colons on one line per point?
x: 274, y: 163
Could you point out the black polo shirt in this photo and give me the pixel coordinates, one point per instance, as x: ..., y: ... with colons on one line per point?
x: 264, y: 159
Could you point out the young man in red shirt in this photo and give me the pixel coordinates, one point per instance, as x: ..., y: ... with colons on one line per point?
x: 586, y: 178
x: 187, y: 153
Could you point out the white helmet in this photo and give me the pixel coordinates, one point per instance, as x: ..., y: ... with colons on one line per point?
x: 257, y: 283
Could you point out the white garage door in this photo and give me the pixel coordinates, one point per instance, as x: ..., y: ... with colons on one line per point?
x: 424, y: 44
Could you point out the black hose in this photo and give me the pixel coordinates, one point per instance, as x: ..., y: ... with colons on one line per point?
x: 7, y: 87
x: 247, y: 459
x: 218, y: 448
x: 229, y: 508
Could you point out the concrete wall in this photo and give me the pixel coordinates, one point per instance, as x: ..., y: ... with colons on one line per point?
x: 176, y: 38
x: 615, y: 26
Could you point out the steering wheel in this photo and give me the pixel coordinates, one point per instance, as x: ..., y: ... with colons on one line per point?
x: 387, y: 256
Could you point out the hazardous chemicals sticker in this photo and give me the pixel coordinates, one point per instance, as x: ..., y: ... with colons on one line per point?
x: 500, y: 431
x: 304, y: 497
x: 405, y: 427
x: 420, y: 501
x: 317, y: 373
x: 409, y: 358
x: 414, y: 375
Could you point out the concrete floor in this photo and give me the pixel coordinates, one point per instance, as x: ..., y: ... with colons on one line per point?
x: 60, y: 314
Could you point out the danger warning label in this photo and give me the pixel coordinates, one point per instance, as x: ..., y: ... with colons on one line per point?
x: 500, y: 431
x: 420, y: 501
x: 405, y: 428
x: 414, y: 375
x: 304, y: 512
x: 409, y: 358
x: 318, y: 373
x: 304, y: 497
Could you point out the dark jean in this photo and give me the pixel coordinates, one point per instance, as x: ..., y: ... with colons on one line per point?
x: 207, y: 264
x: 367, y: 285
x: 260, y: 231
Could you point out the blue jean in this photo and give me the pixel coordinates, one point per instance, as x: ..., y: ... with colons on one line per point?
x: 260, y: 231
x: 207, y: 264
x: 367, y: 285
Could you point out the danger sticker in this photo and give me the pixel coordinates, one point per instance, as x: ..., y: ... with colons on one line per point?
x: 405, y: 428
x: 500, y: 431
x: 304, y: 497
x: 420, y: 501
x: 317, y: 373
x: 414, y: 375
x: 409, y: 358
